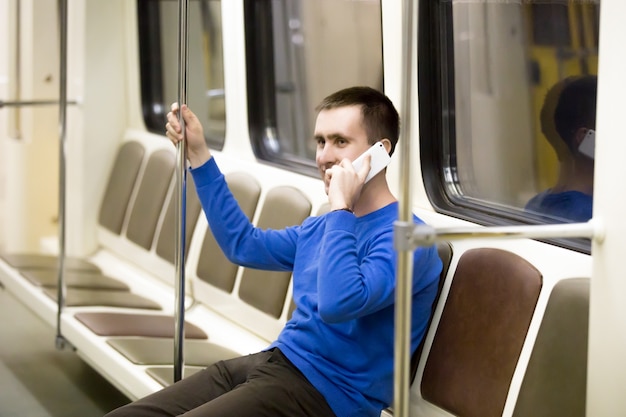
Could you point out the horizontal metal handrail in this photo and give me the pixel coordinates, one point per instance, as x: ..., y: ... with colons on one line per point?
x: 23, y: 103
x: 425, y: 235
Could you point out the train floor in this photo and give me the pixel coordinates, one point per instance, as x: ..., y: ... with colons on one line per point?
x: 37, y: 380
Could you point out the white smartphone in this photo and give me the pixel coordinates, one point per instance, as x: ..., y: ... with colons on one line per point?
x: 588, y: 145
x: 380, y: 159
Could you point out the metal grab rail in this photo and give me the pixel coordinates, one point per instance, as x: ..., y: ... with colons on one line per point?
x: 402, y: 328
x: 60, y: 341
x: 424, y: 235
x: 23, y: 103
x: 180, y: 193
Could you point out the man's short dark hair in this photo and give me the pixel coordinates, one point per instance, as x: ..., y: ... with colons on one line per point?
x: 576, y: 108
x: 380, y: 117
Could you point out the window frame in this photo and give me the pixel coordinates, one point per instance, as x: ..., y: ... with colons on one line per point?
x: 151, y: 79
x: 262, y: 88
x: 262, y: 117
x: 436, y: 104
x: 152, y: 84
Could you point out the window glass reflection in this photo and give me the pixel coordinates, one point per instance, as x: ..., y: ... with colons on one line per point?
x: 524, y: 106
x: 159, y: 37
x: 319, y: 47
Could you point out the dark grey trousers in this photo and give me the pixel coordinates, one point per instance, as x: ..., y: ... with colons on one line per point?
x: 264, y: 384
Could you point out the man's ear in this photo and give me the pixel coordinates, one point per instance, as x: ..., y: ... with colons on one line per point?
x: 579, y: 135
x: 386, y: 143
x: 586, y: 142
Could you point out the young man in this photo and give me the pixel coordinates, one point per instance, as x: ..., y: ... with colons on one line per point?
x: 335, y: 355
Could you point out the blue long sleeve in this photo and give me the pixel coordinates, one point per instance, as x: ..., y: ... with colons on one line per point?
x: 242, y: 243
x: 360, y: 291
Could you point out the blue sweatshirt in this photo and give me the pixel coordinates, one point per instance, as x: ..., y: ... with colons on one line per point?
x: 341, y: 333
x: 566, y: 206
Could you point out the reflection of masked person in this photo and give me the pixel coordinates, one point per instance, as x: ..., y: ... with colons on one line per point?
x: 567, y: 117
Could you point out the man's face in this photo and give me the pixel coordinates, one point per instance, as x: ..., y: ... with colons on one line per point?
x: 339, y: 134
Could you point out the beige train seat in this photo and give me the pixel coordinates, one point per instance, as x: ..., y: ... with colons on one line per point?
x: 165, y: 246
x: 555, y: 383
x: 150, y: 199
x: 282, y: 207
x: 48, y: 278
x: 213, y: 267
x: 267, y: 290
x: 113, y: 209
x: 444, y: 249
x: 132, y: 324
x: 42, y: 261
x: 165, y: 374
x: 141, y: 229
x: 246, y: 190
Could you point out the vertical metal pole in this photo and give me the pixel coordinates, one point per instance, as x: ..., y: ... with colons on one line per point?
x: 402, y: 343
x: 62, y: 9
x: 181, y: 191
x: 15, y: 121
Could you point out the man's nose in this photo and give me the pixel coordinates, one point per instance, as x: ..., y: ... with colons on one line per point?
x: 326, y: 156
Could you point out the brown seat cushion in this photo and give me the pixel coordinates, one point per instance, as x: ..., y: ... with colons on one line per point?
x: 480, y: 334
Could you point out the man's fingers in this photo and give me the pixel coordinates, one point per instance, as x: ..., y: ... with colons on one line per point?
x: 189, y: 116
x: 328, y: 173
x: 365, y: 168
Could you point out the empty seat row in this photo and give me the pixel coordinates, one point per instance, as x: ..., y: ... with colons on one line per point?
x: 130, y: 212
x: 112, y: 315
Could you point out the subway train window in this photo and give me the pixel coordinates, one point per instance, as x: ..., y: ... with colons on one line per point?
x: 158, y: 51
x: 298, y: 52
x: 507, y: 98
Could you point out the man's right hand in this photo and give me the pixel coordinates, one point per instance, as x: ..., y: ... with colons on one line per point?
x: 197, y: 150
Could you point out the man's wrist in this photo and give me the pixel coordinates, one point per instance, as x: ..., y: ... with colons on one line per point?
x: 348, y: 209
x: 196, y: 160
